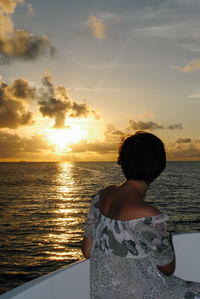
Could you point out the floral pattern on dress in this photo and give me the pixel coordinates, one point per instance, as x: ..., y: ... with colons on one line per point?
x: 125, y: 256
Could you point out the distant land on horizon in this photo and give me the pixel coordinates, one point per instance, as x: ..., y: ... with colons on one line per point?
x: 85, y: 161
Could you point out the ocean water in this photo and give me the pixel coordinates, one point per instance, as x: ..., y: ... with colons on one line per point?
x: 43, y: 207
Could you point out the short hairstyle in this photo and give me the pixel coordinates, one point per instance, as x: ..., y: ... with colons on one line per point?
x: 142, y: 157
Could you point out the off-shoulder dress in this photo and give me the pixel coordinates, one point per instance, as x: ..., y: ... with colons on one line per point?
x: 125, y: 256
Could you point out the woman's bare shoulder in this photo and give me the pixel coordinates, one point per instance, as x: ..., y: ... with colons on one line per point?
x: 146, y: 210
x: 108, y: 189
x: 139, y: 211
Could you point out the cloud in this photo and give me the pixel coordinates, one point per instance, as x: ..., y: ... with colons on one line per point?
x: 54, y: 102
x: 14, y: 146
x: 30, y: 9
x: 95, y: 28
x: 194, y: 96
x: 184, y: 149
x: 191, y: 66
x: 101, y: 147
x: 112, y: 134
x: 146, y: 114
x: 8, y: 6
x: 178, y: 29
x: 19, y: 44
x: 175, y: 127
x: 108, y: 147
x: 141, y: 125
x: 184, y: 140
x: 14, y: 99
x: 118, y: 133
x: 188, y: 151
x: 24, y: 46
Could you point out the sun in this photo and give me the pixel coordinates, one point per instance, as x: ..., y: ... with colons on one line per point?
x: 62, y: 138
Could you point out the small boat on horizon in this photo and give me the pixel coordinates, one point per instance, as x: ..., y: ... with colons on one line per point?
x: 72, y: 282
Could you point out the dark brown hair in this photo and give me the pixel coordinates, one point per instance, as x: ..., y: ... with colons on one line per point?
x: 142, y: 157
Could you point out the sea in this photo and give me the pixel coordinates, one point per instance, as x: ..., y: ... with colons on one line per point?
x: 43, y: 207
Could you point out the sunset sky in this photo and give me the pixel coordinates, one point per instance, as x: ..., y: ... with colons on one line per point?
x: 78, y: 75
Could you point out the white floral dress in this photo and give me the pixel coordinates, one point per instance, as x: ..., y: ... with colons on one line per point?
x: 125, y: 256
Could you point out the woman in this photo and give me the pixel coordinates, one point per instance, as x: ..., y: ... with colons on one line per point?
x: 131, y: 253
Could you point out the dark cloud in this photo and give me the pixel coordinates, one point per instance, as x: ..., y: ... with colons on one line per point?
x: 14, y: 99
x: 141, y: 125
x: 184, y: 140
x: 14, y: 146
x: 24, y: 46
x: 175, y: 127
x: 19, y: 44
x: 135, y: 125
x: 118, y: 133
x: 21, y: 90
x: 55, y: 103
x: 79, y: 110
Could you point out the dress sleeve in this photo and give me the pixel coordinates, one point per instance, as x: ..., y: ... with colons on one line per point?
x: 154, y: 235
x: 92, y: 216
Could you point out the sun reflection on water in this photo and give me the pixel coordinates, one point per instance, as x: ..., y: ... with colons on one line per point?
x: 66, y: 235
x: 72, y: 255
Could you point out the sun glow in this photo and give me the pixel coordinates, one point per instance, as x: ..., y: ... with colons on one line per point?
x: 62, y: 138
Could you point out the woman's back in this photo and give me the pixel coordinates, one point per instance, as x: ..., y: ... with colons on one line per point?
x: 125, y: 254
x: 125, y: 203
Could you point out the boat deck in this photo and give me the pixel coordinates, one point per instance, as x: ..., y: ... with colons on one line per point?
x: 73, y: 281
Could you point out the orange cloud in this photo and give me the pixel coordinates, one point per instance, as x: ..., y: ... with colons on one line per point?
x: 97, y: 27
x: 54, y: 102
x: 30, y: 9
x: 183, y: 151
x: 8, y: 6
x: 112, y: 134
x: 191, y: 66
x: 147, y: 114
x: 15, y: 147
x: 14, y: 99
x: 19, y: 44
x: 102, y: 147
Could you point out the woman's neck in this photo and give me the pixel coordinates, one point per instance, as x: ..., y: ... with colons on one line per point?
x: 138, y: 186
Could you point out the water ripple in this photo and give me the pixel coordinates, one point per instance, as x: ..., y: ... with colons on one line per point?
x: 44, y: 205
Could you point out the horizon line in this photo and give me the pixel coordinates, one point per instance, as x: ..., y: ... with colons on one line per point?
x: 89, y: 161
